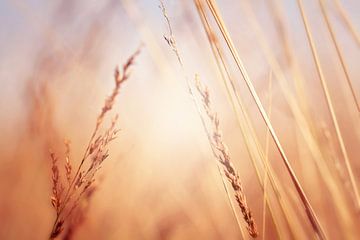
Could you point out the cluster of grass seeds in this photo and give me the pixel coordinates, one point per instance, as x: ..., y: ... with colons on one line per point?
x: 221, y: 153
x: 71, y: 198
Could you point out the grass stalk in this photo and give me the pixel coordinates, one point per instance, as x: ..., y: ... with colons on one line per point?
x: 267, y: 141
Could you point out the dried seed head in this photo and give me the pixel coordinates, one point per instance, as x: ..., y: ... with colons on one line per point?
x: 223, y: 157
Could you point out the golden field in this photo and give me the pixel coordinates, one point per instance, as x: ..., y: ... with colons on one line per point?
x: 197, y: 119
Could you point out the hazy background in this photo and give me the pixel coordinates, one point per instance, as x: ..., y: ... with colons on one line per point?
x: 161, y: 182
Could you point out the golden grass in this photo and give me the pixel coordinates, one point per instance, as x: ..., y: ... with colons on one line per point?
x: 309, y: 210
x: 247, y: 128
x: 306, y: 127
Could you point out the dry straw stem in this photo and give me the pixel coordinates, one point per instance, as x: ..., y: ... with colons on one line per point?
x: 315, y: 147
x: 339, y: 53
x: 267, y: 140
x: 80, y: 185
x: 330, y: 105
x: 221, y: 153
x: 309, y: 211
